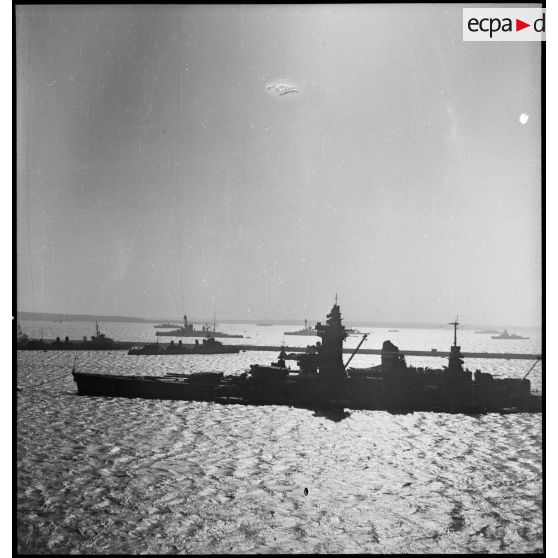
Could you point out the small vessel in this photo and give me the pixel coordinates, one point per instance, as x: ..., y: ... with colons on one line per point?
x: 324, y: 381
x: 208, y: 346
x: 166, y: 326
x: 306, y: 330
x: 21, y: 336
x: 188, y: 330
x: 393, y: 330
x: 507, y: 335
x: 100, y: 338
x: 488, y: 331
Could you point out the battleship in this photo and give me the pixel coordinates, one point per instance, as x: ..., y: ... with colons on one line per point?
x: 507, y: 335
x: 208, y: 346
x: 311, y: 331
x: 188, y: 330
x: 324, y: 381
x: 306, y: 330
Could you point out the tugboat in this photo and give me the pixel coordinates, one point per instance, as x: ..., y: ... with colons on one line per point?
x: 208, y: 346
x: 507, y: 335
x: 187, y: 330
x: 100, y: 339
x: 324, y: 381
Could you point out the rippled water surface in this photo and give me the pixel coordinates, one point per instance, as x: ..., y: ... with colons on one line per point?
x: 110, y: 475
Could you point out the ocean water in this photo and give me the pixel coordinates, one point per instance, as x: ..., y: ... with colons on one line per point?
x: 115, y: 475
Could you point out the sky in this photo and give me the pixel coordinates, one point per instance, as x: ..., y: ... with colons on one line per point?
x: 160, y: 170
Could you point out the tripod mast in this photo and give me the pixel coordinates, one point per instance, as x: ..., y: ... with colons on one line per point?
x: 455, y: 324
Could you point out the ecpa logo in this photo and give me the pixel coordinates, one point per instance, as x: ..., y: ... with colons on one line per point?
x: 504, y: 24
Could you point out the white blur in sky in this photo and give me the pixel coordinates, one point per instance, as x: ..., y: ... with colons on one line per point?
x: 255, y: 160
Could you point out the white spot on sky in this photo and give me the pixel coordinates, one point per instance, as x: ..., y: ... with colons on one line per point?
x: 523, y: 118
x: 282, y: 88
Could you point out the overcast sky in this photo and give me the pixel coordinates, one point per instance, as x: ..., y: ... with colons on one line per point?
x: 163, y: 169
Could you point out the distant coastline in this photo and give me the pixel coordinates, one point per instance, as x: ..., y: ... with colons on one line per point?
x: 49, y: 316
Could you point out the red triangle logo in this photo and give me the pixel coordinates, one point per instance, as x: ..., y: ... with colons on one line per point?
x: 519, y: 25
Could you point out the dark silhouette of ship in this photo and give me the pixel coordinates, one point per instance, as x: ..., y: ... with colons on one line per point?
x: 97, y: 342
x: 324, y: 381
x: 166, y: 326
x: 208, y: 346
x: 21, y: 336
x: 188, y: 330
x: 507, y: 335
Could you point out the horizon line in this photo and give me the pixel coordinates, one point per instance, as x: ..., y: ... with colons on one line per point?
x: 58, y: 316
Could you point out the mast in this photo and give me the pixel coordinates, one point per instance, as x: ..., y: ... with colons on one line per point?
x: 214, y: 321
x: 455, y: 324
x: 455, y: 361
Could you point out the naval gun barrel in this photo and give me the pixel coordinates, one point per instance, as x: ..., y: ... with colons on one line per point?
x: 355, y: 351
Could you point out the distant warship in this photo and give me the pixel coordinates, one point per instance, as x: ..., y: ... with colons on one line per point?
x: 188, y: 330
x: 306, y: 330
x: 309, y: 330
x: 507, y: 335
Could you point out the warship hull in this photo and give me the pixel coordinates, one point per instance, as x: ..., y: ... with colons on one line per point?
x: 178, y: 350
x: 353, y: 393
x: 324, y: 381
x: 74, y: 346
x: 512, y: 337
